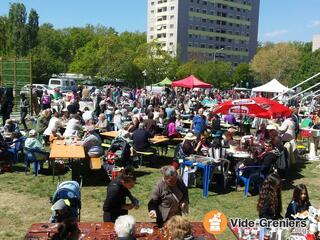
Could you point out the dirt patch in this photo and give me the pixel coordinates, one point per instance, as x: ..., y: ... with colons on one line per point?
x: 18, y: 211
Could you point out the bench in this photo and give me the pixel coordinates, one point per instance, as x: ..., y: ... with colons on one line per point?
x: 141, y: 154
x: 95, y: 163
x: 106, y: 145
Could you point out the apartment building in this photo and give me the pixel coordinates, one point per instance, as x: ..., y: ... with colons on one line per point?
x: 205, y: 29
x: 316, y: 43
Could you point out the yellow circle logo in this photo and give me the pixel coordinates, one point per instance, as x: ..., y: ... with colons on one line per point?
x: 215, y: 222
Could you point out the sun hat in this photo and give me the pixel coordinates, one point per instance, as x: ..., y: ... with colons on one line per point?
x: 60, y: 204
x: 190, y: 136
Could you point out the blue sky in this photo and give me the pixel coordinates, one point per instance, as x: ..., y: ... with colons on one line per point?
x: 280, y: 20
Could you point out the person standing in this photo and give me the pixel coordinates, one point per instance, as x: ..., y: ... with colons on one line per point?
x: 46, y: 100
x: 198, y: 125
x: 115, y: 203
x: 169, y: 196
x: 24, y: 105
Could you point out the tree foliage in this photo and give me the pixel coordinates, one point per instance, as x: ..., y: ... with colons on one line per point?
x: 276, y: 61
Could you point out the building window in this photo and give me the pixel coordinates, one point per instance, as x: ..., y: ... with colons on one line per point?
x: 204, y: 2
x: 203, y: 29
x: 203, y: 45
x: 190, y: 35
x: 191, y: 9
x: 172, y: 8
x: 210, y: 46
x: 151, y: 29
x: 190, y: 44
x: 204, y: 11
x: 171, y: 25
x: 152, y: 3
x: 151, y: 36
x: 230, y: 24
x: 203, y: 20
x: 172, y: 17
x: 171, y: 43
x: 197, y: 27
x: 152, y: 11
x: 171, y: 34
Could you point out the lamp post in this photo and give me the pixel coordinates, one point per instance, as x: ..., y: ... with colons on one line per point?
x: 144, y: 72
x: 214, y: 54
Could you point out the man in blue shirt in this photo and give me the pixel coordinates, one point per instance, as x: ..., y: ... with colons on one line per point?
x: 199, y: 123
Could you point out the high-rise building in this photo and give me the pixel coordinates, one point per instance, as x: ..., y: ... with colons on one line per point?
x: 315, y: 43
x: 205, y: 29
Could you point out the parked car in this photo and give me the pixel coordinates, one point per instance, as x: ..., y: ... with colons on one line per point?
x: 39, y: 87
x: 64, y: 84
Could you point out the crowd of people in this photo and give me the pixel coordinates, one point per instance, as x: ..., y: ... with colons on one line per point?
x: 139, y: 115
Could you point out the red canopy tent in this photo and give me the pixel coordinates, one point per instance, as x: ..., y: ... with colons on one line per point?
x: 191, y: 82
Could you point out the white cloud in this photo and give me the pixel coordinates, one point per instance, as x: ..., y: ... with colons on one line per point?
x: 315, y: 23
x: 275, y: 33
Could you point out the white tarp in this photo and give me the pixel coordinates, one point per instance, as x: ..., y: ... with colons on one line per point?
x: 274, y: 86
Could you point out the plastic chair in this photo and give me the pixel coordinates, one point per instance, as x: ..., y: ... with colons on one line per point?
x: 30, y: 156
x: 250, y: 174
x: 17, y: 148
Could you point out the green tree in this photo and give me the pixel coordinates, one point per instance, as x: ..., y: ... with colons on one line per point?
x: 243, y: 76
x: 17, y: 29
x: 33, y: 28
x: 4, y: 35
x: 156, y: 61
x: 276, y: 61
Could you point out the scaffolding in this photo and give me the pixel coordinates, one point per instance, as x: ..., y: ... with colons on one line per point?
x: 16, y: 73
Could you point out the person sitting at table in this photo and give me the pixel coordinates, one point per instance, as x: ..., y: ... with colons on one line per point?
x: 73, y: 126
x: 92, y: 142
x: 102, y: 123
x: 117, y: 120
x: 230, y: 119
x: 32, y: 143
x: 87, y: 115
x: 125, y: 227
x: 68, y: 229
x: 55, y: 135
x: 43, y: 122
x: 179, y: 228
x: 187, y: 146
x: 203, y: 146
x: 215, y: 124
x: 54, y: 123
x: 178, y: 122
x: 199, y: 122
x: 169, y: 197
x: 9, y: 128
x: 300, y: 201
x: 262, y: 134
x: 269, y: 204
x: 115, y: 203
x: 150, y: 124
x: 227, y: 138
x: 140, y: 139
x: 172, y: 131
x: 134, y: 125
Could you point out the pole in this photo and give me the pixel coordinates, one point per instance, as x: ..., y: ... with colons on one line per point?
x: 215, y: 52
x: 30, y: 75
x: 281, y: 94
x: 304, y: 90
x: 1, y: 73
x: 14, y: 76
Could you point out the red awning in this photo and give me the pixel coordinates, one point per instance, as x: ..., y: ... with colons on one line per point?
x: 191, y: 82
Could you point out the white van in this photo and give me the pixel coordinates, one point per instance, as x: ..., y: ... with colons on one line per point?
x: 63, y: 84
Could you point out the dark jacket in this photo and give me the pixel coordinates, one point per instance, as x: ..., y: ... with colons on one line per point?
x: 293, y: 209
x: 140, y: 139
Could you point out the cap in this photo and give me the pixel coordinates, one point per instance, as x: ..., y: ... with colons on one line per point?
x: 60, y: 204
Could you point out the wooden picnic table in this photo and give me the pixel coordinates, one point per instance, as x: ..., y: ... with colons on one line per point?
x: 105, y: 230
x: 59, y: 150
x: 110, y: 134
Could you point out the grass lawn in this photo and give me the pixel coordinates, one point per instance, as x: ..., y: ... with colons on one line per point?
x: 25, y: 198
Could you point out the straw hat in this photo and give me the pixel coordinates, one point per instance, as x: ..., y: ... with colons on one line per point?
x: 190, y: 136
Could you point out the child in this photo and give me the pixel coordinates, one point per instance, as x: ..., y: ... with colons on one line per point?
x: 300, y: 201
x: 54, y: 135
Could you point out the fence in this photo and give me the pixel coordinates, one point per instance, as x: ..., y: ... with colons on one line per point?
x: 16, y: 73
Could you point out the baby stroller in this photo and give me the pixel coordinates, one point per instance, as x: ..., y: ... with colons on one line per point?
x: 118, y: 155
x: 67, y: 197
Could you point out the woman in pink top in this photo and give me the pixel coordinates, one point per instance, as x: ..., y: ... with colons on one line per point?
x: 172, y: 131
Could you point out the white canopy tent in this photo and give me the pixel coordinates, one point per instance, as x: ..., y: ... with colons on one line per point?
x: 274, y: 86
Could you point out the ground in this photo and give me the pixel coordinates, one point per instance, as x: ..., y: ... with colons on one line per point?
x: 25, y: 198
